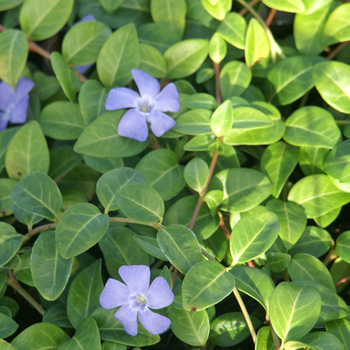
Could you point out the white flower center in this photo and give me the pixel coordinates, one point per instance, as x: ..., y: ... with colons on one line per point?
x: 145, y: 104
x: 138, y: 302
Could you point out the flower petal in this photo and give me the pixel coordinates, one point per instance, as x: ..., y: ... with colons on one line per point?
x: 23, y: 88
x: 133, y: 125
x: 159, y: 294
x: 3, y: 122
x: 160, y: 122
x: 19, y: 112
x: 114, y: 294
x: 83, y: 69
x: 120, y: 98
x: 7, y: 95
x: 168, y: 99
x: 137, y: 277
x: 128, y: 318
x: 154, y: 323
x: 147, y: 84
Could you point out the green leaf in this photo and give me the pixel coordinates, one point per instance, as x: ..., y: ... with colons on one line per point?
x: 230, y: 329
x: 217, y: 9
x: 100, y: 139
x: 222, y: 119
x: 5, y: 139
x: 343, y: 246
x: 255, y: 283
x: 318, y: 195
x: 80, y: 227
x: 13, y: 55
x: 118, y: 56
x: 40, y: 336
x: 141, y: 203
x: 9, y: 4
x: 277, y: 262
x: 257, y: 46
x: 264, y: 340
x: 6, y: 346
x: 152, y: 61
x: 39, y: 195
x: 185, y: 57
x: 6, y: 203
x: 180, y: 245
x: 84, y: 293
x: 50, y: 271
x: 118, y: 248
x: 163, y: 172
x: 293, y: 310
x: 62, y: 120
x: 243, y: 188
x: 311, y: 159
x: 10, y: 242
x: 205, y: 284
x: 27, y: 152
x: 83, y: 42
x: 170, y: 12
x: 45, y: 85
x: 194, y: 122
x: 86, y: 337
x: 252, y: 236
x: 111, y: 6
x: 292, y: 220
x: 65, y: 75
x: 197, y: 174
x: 305, y: 267
x: 103, y: 165
x: 312, y: 126
x: 92, y: 98
x: 199, y: 143
x: 149, y: 245
x: 190, y: 327
x: 330, y: 81
x: 41, y: 23
x: 286, y: 5
x: 341, y: 329
x: 290, y: 79
x: 278, y: 162
x: 217, y: 48
x: 235, y: 77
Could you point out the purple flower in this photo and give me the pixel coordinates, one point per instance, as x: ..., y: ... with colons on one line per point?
x: 146, y: 107
x: 14, y: 103
x: 136, y: 297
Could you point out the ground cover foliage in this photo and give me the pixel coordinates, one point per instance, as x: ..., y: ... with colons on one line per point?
x: 242, y: 207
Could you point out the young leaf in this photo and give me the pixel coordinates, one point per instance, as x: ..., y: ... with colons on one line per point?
x: 219, y: 9
x: 233, y: 29
x: 222, y: 119
x: 196, y: 174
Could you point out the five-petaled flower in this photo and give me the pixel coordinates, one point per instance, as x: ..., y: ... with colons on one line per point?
x: 14, y: 103
x: 136, y: 297
x: 146, y: 107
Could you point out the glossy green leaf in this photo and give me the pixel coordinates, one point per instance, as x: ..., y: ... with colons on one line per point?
x: 10, y: 242
x: 293, y: 310
x: 151, y: 246
x: 6, y: 202
x: 185, y: 57
x: 9, y: 4
x: 86, y: 337
x: 50, y: 271
x: 198, y: 101
x: 197, y: 174
x: 318, y: 195
x: 39, y: 23
x: 27, y: 152
x: 119, y: 248
x: 311, y: 5
x: 217, y: 48
x: 257, y: 46
x: 341, y: 329
x: 330, y: 81
x: 207, y: 283
x: 163, y: 172
x: 65, y: 75
x: 199, y: 143
x: 243, y: 188
x: 217, y: 9
x: 290, y: 79
x: 118, y: 56
x: 141, y: 203
x: 84, y: 294
x: 264, y: 340
x: 252, y: 236
x: 278, y: 162
x: 255, y: 283
x: 5, y: 139
x: 103, y: 165
x: 194, y: 122
x: 312, y: 126
x: 100, y: 139
x: 235, y: 77
x: 222, y: 119
x: 190, y: 327
x: 180, y: 245
x: 40, y: 336
x: 170, y: 12
x: 80, y: 227
x: 39, y: 195
x: 83, y: 42
x: 311, y: 159
x: 13, y: 55
x: 277, y: 262
x: 152, y: 61
x: 6, y: 346
x: 306, y: 267
x: 213, y: 199
x: 233, y: 29
x: 286, y: 5
x: 292, y: 220
x: 111, y: 6
x: 343, y: 246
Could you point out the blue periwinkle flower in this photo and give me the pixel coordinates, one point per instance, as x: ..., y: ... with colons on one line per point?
x: 146, y: 107
x: 136, y: 297
x: 14, y: 102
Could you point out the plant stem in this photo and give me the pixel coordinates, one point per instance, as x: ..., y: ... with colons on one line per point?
x: 37, y: 230
x: 276, y: 340
x: 217, y: 82
x: 270, y: 17
x: 13, y: 282
x: 245, y: 11
x: 245, y: 313
x: 335, y: 52
x: 332, y: 255
x: 155, y: 225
